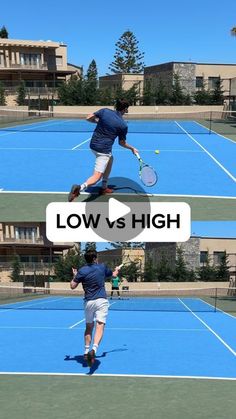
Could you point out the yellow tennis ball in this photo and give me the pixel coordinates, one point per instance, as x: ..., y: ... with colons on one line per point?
x: 157, y: 151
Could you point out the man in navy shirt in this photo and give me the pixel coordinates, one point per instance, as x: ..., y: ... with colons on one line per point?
x: 92, y: 276
x: 110, y: 124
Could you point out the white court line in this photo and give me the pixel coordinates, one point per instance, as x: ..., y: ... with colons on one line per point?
x: 217, y: 309
x: 36, y: 124
x: 78, y: 145
x: 34, y: 327
x: 15, y: 305
x: 217, y: 133
x: 144, y: 329
x: 71, y: 374
x: 35, y: 148
x: 81, y: 321
x: 207, y: 152
x: 124, y: 193
x: 209, y: 328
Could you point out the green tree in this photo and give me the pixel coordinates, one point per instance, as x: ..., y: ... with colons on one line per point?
x: 105, y: 96
x: 181, y: 271
x: 63, y: 267
x: 91, y: 84
x: 222, y: 270
x: 3, y: 32
x: 16, y: 269
x: 149, y: 270
x: 177, y: 95
x: 132, y: 95
x: 233, y: 31
x: 131, y: 271
x: 148, y: 93
x: 164, y: 271
x: 2, y: 95
x: 202, y: 96
x: 90, y: 246
x: 207, y: 272
x: 72, y: 92
x: 161, y: 94
x: 21, y: 94
x: 217, y: 95
x: 127, y: 58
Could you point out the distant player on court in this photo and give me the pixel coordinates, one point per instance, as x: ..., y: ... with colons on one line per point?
x: 92, y: 276
x: 115, y: 283
x: 110, y: 124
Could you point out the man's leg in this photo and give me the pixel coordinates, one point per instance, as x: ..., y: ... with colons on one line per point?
x: 101, y: 163
x: 100, y: 317
x: 106, y: 174
x: 88, y: 338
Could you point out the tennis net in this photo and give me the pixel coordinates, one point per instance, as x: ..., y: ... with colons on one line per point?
x: 196, y: 122
x: 187, y: 300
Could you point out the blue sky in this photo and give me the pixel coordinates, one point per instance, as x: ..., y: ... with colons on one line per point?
x: 166, y: 31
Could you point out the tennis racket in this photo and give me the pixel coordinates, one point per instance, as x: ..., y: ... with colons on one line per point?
x: 146, y: 173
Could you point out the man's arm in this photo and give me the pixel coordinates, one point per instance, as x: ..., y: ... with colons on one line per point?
x: 73, y: 283
x: 124, y: 144
x: 92, y: 118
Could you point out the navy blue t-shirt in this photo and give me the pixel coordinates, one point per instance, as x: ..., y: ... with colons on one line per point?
x: 110, y: 125
x: 92, y: 277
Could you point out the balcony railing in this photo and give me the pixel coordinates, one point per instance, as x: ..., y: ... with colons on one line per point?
x: 36, y: 240
x: 26, y: 267
x: 28, y: 66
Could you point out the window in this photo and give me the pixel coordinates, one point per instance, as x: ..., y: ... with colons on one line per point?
x: 218, y: 257
x: 2, y: 60
x: 199, y: 82
x: 212, y: 82
x: 59, y: 61
x: 203, y: 256
x: 30, y: 59
x: 25, y: 233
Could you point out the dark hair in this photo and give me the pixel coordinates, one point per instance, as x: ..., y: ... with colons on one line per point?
x: 121, y: 104
x: 90, y: 256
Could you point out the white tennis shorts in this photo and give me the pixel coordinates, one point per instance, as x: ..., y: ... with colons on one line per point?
x: 96, y: 310
x: 101, y: 161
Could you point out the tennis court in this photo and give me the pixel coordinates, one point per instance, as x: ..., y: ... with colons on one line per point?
x: 43, y: 153
x: 52, y: 153
x: 160, y: 353
x: 187, y: 332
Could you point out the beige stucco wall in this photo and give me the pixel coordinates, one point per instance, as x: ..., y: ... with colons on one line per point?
x: 218, y: 245
x: 225, y: 72
x: 11, y: 48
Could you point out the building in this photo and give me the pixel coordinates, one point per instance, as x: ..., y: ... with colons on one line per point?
x: 42, y: 65
x: 123, y: 81
x: 195, y: 252
x: 115, y: 257
x: 192, y: 76
x: 28, y: 241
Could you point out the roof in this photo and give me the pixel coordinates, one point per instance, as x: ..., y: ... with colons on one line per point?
x: 4, y: 42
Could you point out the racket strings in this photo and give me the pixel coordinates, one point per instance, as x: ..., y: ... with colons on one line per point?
x: 148, y: 176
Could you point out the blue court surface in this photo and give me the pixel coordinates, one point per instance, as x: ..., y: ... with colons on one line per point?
x: 190, y: 343
x: 49, y: 157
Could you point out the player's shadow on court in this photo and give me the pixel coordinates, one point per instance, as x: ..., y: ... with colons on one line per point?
x: 80, y: 360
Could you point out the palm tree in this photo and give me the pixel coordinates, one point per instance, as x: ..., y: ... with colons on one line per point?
x: 233, y: 31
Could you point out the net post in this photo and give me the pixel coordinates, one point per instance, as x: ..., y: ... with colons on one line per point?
x: 210, y: 127
x: 215, y: 306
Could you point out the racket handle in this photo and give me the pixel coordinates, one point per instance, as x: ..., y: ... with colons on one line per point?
x: 138, y: 156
